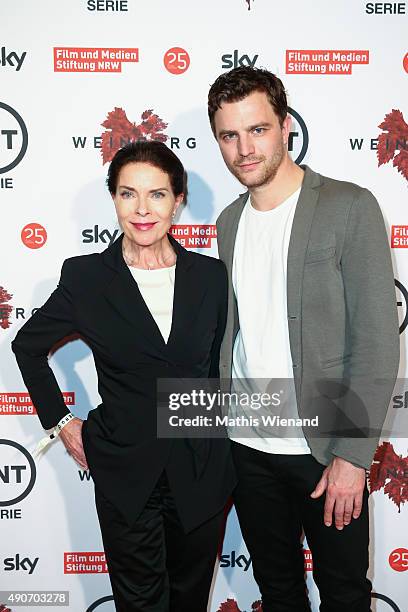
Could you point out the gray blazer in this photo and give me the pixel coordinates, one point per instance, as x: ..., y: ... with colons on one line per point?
x: 342, y: 313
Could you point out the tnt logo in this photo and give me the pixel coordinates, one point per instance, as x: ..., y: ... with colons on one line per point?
x: 13, y: 138
x: 104, y: 604
x: 17, y: 472
x: 298, y: 141
x: 402, y: 303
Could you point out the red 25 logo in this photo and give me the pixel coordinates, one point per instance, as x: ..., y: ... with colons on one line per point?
x: 34, y: 235
x: 398, y: 559
x: 176, y: 60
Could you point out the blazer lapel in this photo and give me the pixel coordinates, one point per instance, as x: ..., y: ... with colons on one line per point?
x: 124, y: 295
x: 226, y: 236
x: 228, y: 231
x: 189, y: 292
x: 302, y: 223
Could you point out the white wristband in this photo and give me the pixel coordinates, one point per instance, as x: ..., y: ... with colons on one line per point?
x: 42, y: 445
x: 66, y: 419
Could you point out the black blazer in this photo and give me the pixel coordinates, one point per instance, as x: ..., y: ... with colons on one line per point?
x: 98, y: 298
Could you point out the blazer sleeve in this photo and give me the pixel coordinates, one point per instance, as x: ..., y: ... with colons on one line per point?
x: 32, y: 344
x: 372, y: 327
x: 222, y: 290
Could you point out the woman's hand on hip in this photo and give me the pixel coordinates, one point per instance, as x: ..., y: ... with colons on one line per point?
x: 71, y: 436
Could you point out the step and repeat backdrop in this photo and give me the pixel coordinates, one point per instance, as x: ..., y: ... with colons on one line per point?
x: 78, y: 78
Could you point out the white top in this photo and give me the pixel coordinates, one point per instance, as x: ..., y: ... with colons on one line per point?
x: 157, y: 289
x: 261, y: 348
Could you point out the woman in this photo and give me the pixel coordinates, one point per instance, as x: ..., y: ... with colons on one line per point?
x: 148, y: 309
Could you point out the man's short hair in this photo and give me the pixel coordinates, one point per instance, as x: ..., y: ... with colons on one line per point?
x: 238, y: 83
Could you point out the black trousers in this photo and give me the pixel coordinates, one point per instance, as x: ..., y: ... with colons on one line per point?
x: 273, y: 504
x: 154, y: 566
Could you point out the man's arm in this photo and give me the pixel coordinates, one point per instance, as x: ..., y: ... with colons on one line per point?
x: 371, y: 307
x: 369, y: 293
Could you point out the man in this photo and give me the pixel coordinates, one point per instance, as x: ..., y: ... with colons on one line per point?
x: 312, y: 300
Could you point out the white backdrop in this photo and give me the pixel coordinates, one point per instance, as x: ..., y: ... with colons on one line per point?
x: 345, y: 67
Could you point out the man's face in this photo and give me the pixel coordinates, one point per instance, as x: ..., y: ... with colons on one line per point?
x: 252, y: 141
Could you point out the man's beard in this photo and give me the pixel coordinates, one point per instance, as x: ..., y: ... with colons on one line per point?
x: 264, y: 174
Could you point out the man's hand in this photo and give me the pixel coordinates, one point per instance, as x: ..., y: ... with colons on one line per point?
x: 344, y: 485
x: 72, y: 438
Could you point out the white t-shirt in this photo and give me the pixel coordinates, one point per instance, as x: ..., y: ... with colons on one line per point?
x: 261, y: 350
x: 157, y: 289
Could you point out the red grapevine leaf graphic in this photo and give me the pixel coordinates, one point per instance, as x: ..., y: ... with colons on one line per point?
x: 394, y: 123
x: 121, y: 131
x: 394, y: 138
x: 377, y: 470
x: 5, y: 309
x: 401, y: 163
x: 385, y: 149
x: 231, y: 606
x: 388, y: 471
x: 152, y: 125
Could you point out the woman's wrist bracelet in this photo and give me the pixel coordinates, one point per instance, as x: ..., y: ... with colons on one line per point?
x: 42, y: 445
x: 65, y: 419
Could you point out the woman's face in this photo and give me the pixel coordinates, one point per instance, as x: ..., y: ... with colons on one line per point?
x: 145, y: 203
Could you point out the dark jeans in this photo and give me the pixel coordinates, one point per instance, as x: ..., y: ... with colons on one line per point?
x: 273, y: 503
x: 153, y: 565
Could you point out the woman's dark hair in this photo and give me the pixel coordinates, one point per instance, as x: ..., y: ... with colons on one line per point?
x: 150, y: 152
x: 238, y: 83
